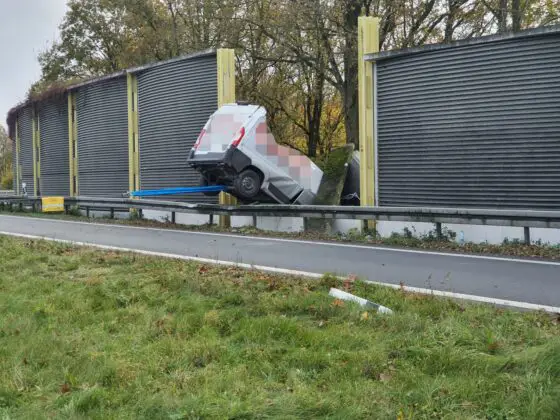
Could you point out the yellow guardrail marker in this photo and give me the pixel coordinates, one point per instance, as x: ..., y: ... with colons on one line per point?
x: 52, y: 204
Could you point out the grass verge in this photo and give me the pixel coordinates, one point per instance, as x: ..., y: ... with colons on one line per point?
x: 406, y: 239
x: 90, y: 334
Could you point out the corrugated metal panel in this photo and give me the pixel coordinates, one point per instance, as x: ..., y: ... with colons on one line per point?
x: 25, y: 120
x: 174, y: 102
x: 475, y: 126
x: 102, y: 110
x: 55, y: 171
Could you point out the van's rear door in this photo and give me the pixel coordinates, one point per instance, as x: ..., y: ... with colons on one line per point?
x: 222, y: 127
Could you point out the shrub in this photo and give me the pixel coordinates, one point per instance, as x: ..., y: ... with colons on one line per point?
x: 8, y: 180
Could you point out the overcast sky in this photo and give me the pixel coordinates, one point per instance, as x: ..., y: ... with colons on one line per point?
x: 26, y: 28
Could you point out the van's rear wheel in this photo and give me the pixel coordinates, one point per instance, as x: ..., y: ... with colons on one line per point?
x: 203, y: 182
x: 248, y: 184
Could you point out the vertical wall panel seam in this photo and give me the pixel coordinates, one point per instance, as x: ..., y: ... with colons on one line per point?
x: 226, y: 94
x: 71, y: 144
x: 130, y: 79
x: 137, y: 179
x: 76, y: 156
x: 17, y: 178
x: 368, y: 42
x: 34, y: 154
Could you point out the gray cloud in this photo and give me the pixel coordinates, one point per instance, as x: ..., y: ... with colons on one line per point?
x: 26, y: 28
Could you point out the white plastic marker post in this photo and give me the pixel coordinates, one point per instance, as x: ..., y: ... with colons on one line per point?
x: 341, y: 294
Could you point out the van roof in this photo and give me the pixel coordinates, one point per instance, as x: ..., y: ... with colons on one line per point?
x: 238, y: 109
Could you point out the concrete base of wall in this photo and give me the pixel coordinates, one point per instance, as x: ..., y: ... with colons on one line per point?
x: 280, y: 224
x: 180, y: 218
x: 473, y: 233
x: 98, y: 214
x: 275, y: 224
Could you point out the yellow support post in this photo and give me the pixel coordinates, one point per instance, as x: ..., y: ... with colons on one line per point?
x: 33, y: 152
x: 17, y: 181
x: 38, y: 161
x: 133, y: 154
x: 73, y: 143
x: 36, y: 151
x: 226, y: 94
x: 368, y: 42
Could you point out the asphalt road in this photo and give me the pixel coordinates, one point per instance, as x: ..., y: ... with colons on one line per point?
x: 517, y: 280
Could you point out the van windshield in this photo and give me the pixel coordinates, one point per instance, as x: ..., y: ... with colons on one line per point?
x: 223, y: 126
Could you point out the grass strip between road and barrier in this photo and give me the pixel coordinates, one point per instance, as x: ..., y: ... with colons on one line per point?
x: 104, y: 334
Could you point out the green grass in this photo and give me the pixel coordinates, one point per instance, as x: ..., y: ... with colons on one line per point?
x: 89, y: 334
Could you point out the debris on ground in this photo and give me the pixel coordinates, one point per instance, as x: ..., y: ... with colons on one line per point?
x: 342, y: 295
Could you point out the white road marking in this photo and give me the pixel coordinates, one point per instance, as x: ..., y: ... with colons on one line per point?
x: 296, y: 273
x: 304, y: 242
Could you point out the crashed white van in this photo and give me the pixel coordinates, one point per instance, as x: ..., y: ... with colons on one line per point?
x: 236, y: 149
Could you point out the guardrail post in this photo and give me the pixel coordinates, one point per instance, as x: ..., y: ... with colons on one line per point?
x: 173, y: 217
x: 112, y: 214
x: 66, y: 209
x: 20, y: 207
x: 211, y: 219
x: 254, y: 221
x: 87, y: 212
x: 527, y: 235
x: 34, y: 207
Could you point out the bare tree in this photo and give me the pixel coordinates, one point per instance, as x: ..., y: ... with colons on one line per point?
x: 5, y: 158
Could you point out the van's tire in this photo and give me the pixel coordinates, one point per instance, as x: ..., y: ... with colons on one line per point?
x: 247, y: 184
x: 203, y: 182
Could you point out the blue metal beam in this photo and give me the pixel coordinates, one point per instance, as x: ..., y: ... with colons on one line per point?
x: 178, y: 190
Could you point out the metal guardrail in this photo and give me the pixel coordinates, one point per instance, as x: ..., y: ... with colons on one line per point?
x: 492, y: 217
x: 6, y: 193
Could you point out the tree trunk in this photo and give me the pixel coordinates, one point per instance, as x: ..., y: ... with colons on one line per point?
x: 351, y: 113
x: 452, y: 8
x: 516, y: 15
x: 312, y: 142
x: 350, y: 88
x: 502, y: 16
x: 314, y: 110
